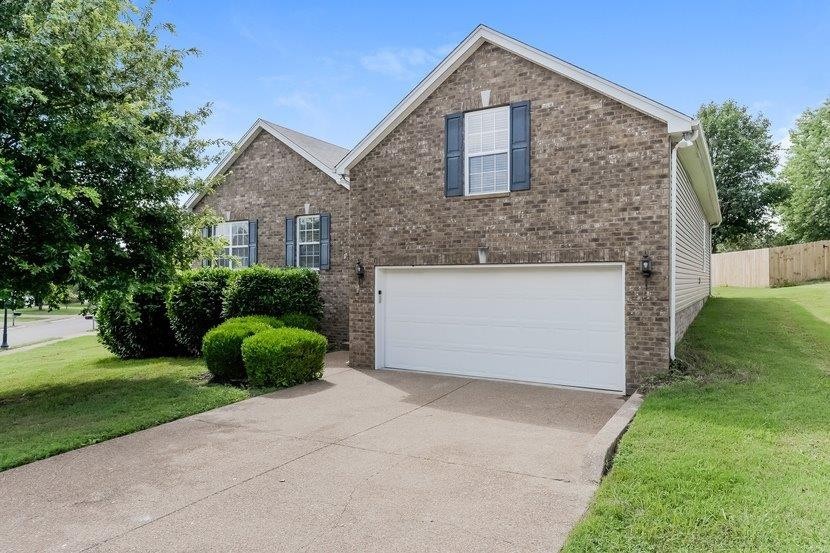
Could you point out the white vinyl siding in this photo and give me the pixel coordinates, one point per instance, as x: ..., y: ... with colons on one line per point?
x: 692, y: 247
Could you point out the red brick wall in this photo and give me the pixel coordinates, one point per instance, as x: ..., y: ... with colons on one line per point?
x: 599, y: 192
x: 268, y: 182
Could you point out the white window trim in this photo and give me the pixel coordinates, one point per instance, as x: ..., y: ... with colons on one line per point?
x: 486, y: 153
x: 299, y: 243
x: 228, y: 248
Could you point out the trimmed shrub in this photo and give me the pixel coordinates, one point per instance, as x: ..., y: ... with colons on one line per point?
x: 273, y: 322
x: 300, y: 320
x: 284, y: 357
x: 194, y: 305
x: 262, y: 291
x: 222, y: 346
x: 136, y: 326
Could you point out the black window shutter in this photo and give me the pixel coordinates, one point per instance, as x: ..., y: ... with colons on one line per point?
x: 206, y: 233
x: 454, y: 155
x: 252, y: 243
x: 520, y: 146
x: 290, y: 246
x: 325, y: 241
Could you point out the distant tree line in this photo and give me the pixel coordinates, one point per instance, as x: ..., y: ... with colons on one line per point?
x: 766, y: 203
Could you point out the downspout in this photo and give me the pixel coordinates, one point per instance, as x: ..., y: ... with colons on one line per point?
x: 688, y: 140
x: 711, y: 228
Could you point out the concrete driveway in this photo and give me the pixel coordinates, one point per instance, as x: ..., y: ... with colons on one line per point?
x: 359, y: 461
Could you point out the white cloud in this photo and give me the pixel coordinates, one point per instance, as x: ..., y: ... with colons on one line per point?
x: 403, y: 63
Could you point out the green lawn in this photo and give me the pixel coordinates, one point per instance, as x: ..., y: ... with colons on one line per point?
x: 74, y: 393
x: 735, y: 457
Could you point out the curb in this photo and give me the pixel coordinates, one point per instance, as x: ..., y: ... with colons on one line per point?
x: 602, y: 447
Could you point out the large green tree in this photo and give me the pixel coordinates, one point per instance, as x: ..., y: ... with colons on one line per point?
x: 806, y: 177
x: 93, y: 155
x: 743, y: 159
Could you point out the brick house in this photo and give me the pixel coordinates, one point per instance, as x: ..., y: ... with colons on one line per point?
x: 502, y: 212
x: 284, y: 205
x: 519, y: 218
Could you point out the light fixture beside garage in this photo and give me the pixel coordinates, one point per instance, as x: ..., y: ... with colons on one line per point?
x: 646, y: 265
x: 359, y: 270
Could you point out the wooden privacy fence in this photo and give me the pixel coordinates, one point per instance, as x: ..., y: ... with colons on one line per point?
x: 772, y: 266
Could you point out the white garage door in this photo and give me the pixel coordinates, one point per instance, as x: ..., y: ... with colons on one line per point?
x: 535, y: 323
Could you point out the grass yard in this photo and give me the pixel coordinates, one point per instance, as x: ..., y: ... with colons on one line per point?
x: 74, y: 393
x: 736, y: 456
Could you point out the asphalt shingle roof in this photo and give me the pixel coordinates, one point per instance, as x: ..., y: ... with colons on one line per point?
x: 326, y: 152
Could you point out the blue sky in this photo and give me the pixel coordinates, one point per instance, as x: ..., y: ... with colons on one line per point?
x: 333, y: 70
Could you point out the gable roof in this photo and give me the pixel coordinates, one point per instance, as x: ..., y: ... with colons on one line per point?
x: 326, y: 152
x: 319, y: 153
x: 676, y: 122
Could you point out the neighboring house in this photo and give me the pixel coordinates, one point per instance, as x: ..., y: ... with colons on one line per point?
x: 502, y: 211
x: 285, y: 206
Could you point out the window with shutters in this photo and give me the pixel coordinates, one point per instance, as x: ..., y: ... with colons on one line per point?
x: 308, y: 241
x: 235, y: 251
x: 486, y: 151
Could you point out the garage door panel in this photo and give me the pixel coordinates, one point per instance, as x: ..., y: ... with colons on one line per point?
x: 546, y: 367
x: 556, y: 335
x: 547, y: 324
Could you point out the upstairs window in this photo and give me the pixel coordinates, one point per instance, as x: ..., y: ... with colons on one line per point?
x: 486, y: 151
x: 308, y: 241
x: 236, y: 250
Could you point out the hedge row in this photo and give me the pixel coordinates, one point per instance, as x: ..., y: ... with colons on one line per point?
x: 136, y: 326
x: 173, y: 320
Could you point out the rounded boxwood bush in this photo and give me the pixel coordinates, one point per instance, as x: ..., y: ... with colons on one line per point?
x: 222, y: 345
x: 134, y: 326
x: 284, y: 357
x: 194, y: 304
x: 301, y: 320
x: 261, y: 290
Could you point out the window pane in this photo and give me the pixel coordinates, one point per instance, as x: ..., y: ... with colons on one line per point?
x: 488, y: 174
x: 309, y: 255
x: 487, y: 131
x: 308, y: 229
x: 239, y: 234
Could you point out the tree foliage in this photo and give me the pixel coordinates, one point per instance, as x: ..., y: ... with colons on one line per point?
x: 805, y: 176
x: 93, y: 155
x: 743, y: 159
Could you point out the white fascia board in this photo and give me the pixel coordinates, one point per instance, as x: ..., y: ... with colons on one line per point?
x: 244, y: 142
x: 675, y: 121
x: 698, y: 164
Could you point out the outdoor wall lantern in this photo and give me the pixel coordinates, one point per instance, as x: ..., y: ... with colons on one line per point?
x: 359, y: 270
x: 646, y: 265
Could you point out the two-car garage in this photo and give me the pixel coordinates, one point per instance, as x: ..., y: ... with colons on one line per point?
x: 559, y: 324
